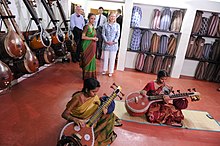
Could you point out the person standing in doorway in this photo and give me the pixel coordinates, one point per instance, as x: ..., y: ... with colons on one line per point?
x: 110, y: 34
x: 76, y: 24
x: 83, y: 14
x: 119, y: 20
x: 100, y: 21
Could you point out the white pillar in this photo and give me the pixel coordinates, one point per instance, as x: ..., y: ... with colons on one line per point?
x: 183, y: 42
x: 127, y: 11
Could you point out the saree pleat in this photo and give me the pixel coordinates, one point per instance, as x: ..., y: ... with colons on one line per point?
x: 88, y: 55
x: 160, y: 112
x: 104, y: 130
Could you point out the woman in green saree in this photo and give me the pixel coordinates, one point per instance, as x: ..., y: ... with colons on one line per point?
x: 88, y: 60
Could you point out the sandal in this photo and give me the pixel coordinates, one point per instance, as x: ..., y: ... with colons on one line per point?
x: 114, y: 136
x: 177, y: 124
x: 118, y: 123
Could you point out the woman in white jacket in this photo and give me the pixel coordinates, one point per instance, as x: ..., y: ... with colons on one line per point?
x: 110, y: 33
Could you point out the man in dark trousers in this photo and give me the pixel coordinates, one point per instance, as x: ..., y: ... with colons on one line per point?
x: 119, y: 20
x: 100, y: 21
x: 76, y: 24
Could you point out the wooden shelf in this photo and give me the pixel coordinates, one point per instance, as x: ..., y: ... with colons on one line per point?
x: 206, y: 36
x: 149, y: 53
x: 158, y: 30
x: 202, y: 60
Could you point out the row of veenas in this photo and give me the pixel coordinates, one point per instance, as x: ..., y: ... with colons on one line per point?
x: 13, y: 47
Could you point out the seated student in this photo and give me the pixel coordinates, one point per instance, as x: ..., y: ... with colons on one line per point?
x: 83, y: 104
x: 167, y: 111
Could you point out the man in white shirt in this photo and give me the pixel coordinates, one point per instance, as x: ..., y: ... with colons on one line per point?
x: 100, y: 20
x: 76, y: 24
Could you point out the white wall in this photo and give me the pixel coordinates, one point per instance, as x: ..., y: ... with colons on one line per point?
x: 83, y: 3
x: 130, y: 59
x: 125, y: 35
x: 22, y: 15
x: 91, y: 4
x: 189, y: 67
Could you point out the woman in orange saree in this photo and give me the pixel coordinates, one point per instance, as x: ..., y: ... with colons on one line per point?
x: 88, y: 60
x: 167, y: 111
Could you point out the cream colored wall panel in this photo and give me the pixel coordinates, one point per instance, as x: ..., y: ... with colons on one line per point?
x: 130, y: 59
x: 189, y: 67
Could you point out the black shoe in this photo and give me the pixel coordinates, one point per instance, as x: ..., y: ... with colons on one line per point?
x: 118, y: 123
x: 74, y: 60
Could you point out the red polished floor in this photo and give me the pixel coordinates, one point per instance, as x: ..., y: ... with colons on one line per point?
x: 30, y: 111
